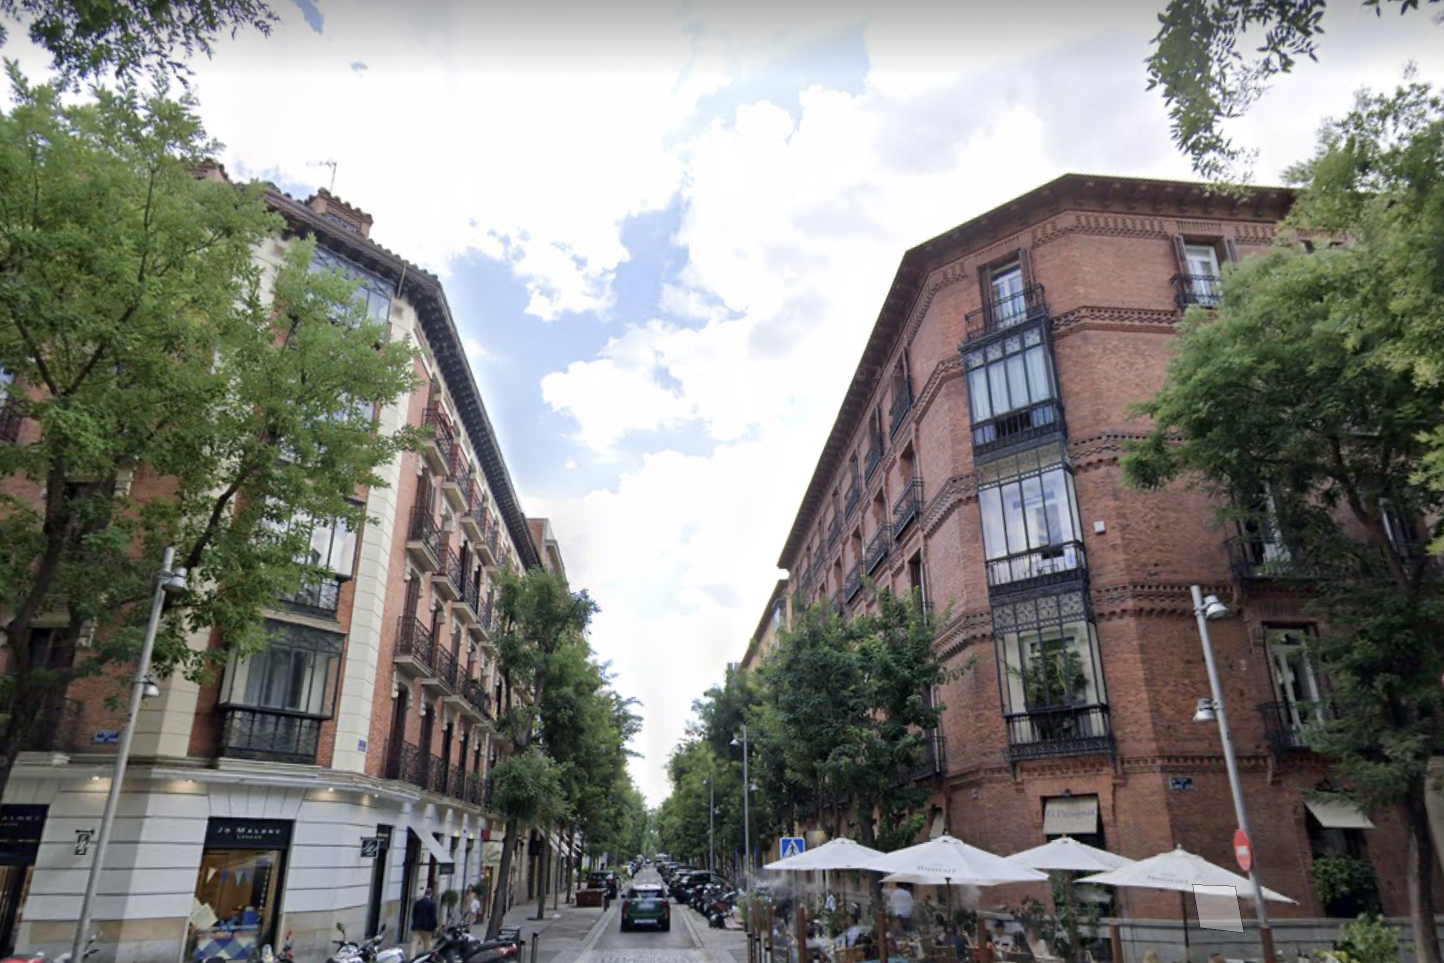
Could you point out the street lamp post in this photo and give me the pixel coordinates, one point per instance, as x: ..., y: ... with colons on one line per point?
x: 711, y: 824
x: 1205, y: 610
x: 168, y: 582
x: 746, y: 811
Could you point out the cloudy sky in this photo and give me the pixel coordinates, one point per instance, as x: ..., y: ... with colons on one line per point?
x: 666, y: 229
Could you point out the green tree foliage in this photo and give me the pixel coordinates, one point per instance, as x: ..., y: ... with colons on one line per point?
x: 1313, y: 392
x: 1213, y: 59
x: 541, y: 631
x: 529, y: 789
x: 139, y: 336
x: 853, y: 698
x: 90, y: 38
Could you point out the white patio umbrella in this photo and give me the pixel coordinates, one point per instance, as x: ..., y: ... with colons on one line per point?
x: 837, y: 854
x: 949, y: 861
x: 1179, y: 871
x: 1066, y: 854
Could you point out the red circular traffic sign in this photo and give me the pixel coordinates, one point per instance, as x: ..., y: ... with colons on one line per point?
x: 1242, y: 850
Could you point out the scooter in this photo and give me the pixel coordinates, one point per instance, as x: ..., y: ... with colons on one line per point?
x: 456, y: 945
x: 39, y: 956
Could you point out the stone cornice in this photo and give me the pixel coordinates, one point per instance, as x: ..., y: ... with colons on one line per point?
x: 1146, y: 599
x: 1095, y: 318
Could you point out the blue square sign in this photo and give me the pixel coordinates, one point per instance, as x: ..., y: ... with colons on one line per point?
x: 791, y: 846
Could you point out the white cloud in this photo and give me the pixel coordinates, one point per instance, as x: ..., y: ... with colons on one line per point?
x: 530, y: 136
x: 476, y: 352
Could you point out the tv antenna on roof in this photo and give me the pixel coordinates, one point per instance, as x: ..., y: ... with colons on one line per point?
x: 326, y: 163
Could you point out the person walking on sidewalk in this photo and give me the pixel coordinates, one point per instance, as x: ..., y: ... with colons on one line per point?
x: 423, y: 922
x: 473, y: 909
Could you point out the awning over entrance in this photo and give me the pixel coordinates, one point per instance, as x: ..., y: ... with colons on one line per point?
x: 445, y: 863
x: 1070, y: 815
x: 1338, y: 814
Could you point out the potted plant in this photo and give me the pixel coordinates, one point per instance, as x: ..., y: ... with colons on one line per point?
x: 1347, y: 886
x: 448, y: 902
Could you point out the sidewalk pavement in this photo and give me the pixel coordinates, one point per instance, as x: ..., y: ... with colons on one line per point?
x: 731, y: 941
x: 560, y: 936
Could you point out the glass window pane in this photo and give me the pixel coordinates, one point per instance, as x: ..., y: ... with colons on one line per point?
x: 1017, y: 382
x: 998, y: 381
x: 1013, y: 518
x: 978, y: 394
x: 1040, y: 381
x: 1036, y: 517
x: 1057, y: 506
x: 995, y: 540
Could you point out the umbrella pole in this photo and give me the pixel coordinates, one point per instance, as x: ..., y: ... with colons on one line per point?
x: 1072, y: 901
x: 952, y: 928
x: 1183, y: 908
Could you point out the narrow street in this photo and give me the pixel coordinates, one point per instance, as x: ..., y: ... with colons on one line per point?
x: 688, y: 941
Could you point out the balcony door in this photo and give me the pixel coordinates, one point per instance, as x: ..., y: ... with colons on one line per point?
x: 1295, y: 681
x: 1007, y: 291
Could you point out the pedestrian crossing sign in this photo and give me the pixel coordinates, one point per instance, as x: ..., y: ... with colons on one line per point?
x: 791, y: 846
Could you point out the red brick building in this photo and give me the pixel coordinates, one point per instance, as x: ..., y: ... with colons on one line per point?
x: 977, y: 456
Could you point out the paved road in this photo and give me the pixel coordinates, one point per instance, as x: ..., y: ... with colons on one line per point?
x: 682, y: 944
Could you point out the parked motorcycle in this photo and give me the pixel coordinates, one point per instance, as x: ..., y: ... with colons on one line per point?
x: 456, y: 945
x: 367, y: 951
x: 719, y: 908
x: 39, y: 956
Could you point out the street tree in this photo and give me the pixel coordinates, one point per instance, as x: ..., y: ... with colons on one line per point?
x: 853, y: 698
x: 541, y: 623
x: 88, y: 39
x: 1310, y: 408
x: 173, y: 402
x: 1210, y: 71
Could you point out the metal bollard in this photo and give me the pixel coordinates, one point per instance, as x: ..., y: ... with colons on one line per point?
x: 533, y: 945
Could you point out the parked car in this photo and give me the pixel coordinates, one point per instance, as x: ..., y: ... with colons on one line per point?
x: 646, y: 906
x: 604, y: 879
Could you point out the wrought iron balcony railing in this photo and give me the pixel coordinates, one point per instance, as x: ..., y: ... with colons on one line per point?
x: 273, y: 735
x: 441, y: 439
x: 834, y: 532
x: 1286, y: 723
x: 1043, y: 733
x: 834, y: 602
x: 1041, y: 566
x: 907, y: 507
x: 854, y: 495
x: 877, y: 548
x: 436, y: 775
x: 1260, y: 555
x: 414, y: 641
x: 406, y: 763
x: 999, y: 315
x: 853, y: 583
x: 318, y: 600
x: 1018, y: 427
x: 10, y: 419
x: 872, y: 459
x: 932, y: 760
x: 471, y: 594
x: 475, y: 693
x: 446, y: 668
x: 901, y: 405
x: 426, y: 531
x: 1204, y: 290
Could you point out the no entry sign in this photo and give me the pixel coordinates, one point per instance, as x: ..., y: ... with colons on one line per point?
x: 1242, y: 851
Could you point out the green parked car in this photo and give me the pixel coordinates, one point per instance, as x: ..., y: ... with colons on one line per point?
x: 646, y: 906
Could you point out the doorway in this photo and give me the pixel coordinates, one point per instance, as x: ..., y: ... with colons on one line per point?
x: 20, y: 830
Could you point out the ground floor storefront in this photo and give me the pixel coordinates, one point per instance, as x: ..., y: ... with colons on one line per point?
x: 207, y: 863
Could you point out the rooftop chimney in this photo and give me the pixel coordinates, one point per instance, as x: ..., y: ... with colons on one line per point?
x: 331, y: 207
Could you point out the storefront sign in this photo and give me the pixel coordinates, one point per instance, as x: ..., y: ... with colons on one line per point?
x: 248, y: 834
x: 1180, y: 783
x: 82, y: 841
x: 370, y: 847
x: 20, y: 829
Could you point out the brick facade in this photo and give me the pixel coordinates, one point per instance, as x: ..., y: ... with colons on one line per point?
x: 1097, y: 259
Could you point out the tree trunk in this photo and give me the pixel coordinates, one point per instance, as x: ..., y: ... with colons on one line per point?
x: 867, y: 836
x: 503, y: 879
x: 544, y: 861
x: 572, y: 865
x: 1421, y: 874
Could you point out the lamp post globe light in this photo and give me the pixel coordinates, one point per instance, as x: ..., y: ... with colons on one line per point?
x: 169, y: 581
x: 1210, y: 609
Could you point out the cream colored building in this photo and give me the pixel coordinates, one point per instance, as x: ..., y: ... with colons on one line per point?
x: 253, y: 808
x: 775, y: 617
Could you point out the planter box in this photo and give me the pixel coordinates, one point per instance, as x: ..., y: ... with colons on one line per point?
x: 590, y: 897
